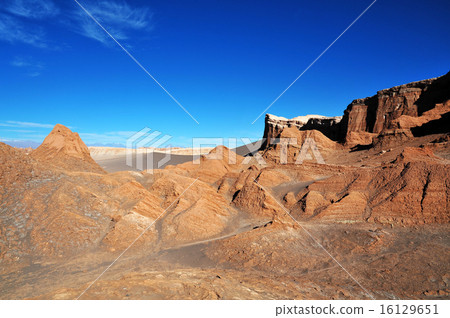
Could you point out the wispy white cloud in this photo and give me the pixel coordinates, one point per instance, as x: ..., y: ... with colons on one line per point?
x: 23, y: 124
x: 15, y: 31
x: 15, y: 24
x: 32, y: 67
x: 22, y: 131
x: 34, y: 9
x: 20, y: 62
x: 34, y: 74
x: 18, y: 20
x: 119, y: 18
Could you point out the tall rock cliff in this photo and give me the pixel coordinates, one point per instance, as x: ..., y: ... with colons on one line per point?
x: 412, y: 109
x: 389, y: 108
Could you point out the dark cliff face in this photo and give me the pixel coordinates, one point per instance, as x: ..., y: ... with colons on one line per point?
x: 380, y: 114
x: 359, y: 116
x: 330, y: 127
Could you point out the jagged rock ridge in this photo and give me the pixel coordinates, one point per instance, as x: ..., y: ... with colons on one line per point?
x: 390, y: 107
x: 417, y: 108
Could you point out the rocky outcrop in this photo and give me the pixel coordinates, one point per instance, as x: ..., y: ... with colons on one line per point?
x: 358, y: 120
x: 274, y: 125
x: 411, y: 106
x: 390, y: 138
x: 411, y: 190
x: 434, y: 114
x: 210, y: 167
x: 400, y: 107
x: 295, y: 146
x: 44, y: 211
x: 48, y: 211
x: 65, y: 149
x: 62, y: 142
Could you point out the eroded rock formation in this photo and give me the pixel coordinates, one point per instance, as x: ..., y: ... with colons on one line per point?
x: 400, y: 107
x: 410, y: 106
x: 64, y: 148
x: 411, y: 190
x: 274, y: 125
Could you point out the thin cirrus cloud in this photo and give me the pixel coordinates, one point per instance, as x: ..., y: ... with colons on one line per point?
x: 34, y: 74
x: 33, y: 9
x: 32, y: 68
x: 22, y: 131
x: 14, y: 27
x: 23, y: 124
x: 29, y: 130
x: 19, y: 17
x: 20, y: 62
x: 112, y: 138
x: 13, y: 30
x: 119, y: 18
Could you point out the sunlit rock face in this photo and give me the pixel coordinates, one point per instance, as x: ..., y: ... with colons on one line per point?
x: 274, y: 126
x: 400, y: 107
x: 421, y: 107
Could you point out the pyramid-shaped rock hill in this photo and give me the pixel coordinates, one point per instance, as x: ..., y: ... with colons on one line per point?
x: 64, y: 148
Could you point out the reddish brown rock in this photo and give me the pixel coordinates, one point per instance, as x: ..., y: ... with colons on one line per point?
x: 408, y: 122
x: 274, y: 125
x: 403, y: 106
x: 359, y: 138
x: 212, y: 167
x: 65, y: 149
x: 255, y: 199
x: 391, y: 137
x: 411, y: 190
x: 406, y: 106
x: 289, y: 145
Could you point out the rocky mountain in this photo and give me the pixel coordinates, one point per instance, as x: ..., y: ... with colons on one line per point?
x: 397, y: 113
x: 401, y: 107
x: 64, y: 148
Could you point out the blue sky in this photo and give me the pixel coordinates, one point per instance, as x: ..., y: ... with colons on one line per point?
x: 224, y: 61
